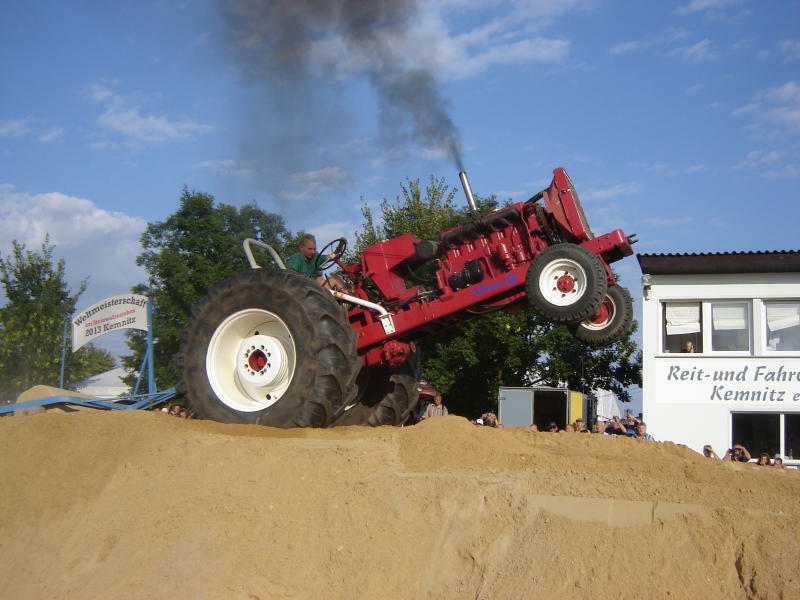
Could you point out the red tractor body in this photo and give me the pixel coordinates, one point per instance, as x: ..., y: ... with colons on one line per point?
x: 272, y: 347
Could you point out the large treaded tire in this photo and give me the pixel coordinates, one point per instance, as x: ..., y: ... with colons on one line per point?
x: 313, y: 352
x: 610, y: 323
x: 386, y: 396
x: 566, y: 283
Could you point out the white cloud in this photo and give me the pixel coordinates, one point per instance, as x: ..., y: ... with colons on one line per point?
x: 696, y: 6
x: 506, y: 40
x: 762, y: 54
x: 308, y: 184
x: 655, y: 41
x: 614, y: 191
x: 626, y: 47
x: 699, y: 52
x: 53, y: 135
x: 664, y: 168
x: 14, y: 127
x: 331, y: 231
x: 94, y: 242
x: 774, y: 112
x: 224, y: 167
x: 127, y: 120
x: 758, y: 158
x: 791, y: 49
x: 324, y: 176
x: 667, y: 221
x: 786, y: 172
x: 696, y: 168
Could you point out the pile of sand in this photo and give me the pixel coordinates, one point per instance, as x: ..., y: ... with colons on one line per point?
x: 144, y: 505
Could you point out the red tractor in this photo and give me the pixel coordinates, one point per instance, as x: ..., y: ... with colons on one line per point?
x: 269, y: 346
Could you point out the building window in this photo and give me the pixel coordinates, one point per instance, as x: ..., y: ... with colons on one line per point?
x: 761, y: 432
x: 730, y: 326
x: 783, y: 325
x: 682, y: 327
x: 758, y: 432
x: 791, y: 436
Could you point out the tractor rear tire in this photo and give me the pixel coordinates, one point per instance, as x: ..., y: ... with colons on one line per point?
x: 610, y: 323
x: 268, y: 347
x: 386, y: 396
x: 566, y: 283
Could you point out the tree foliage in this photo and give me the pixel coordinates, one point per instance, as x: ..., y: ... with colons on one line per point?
x: 198, y: 245
x: 469, y: 362
x: 38, y: 302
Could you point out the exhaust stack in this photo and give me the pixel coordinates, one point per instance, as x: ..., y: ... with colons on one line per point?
x: 468, y: 192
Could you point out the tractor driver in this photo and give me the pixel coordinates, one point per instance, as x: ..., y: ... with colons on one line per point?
x: 306, y: 261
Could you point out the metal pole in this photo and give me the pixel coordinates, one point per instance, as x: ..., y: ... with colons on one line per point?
x: 151, y: 378
x: 63, y: 353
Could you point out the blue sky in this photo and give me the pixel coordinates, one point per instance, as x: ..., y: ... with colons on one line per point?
x: 679, y: 121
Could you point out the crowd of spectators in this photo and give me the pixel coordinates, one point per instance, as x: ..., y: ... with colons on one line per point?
x: 430, y: 405
x: 739, y: 453
x: 176, y: 410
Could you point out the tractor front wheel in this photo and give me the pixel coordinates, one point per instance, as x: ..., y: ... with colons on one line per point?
x: 566, y: 283
x: 271, y: 348
x: 611, y: 321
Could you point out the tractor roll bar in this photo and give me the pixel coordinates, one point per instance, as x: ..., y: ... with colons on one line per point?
x: 249, y: 253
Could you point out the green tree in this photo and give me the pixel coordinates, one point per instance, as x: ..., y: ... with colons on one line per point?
x: 38, y: 302
x: 198, y: 245
x: 469, y: 362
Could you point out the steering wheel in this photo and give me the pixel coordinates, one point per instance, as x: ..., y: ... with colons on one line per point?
x: 332, y: 257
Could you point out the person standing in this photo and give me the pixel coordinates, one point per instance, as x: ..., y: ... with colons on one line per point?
x: 436, y: 408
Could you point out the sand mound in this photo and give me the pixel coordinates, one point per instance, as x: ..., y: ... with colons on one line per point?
x: 143, y: 505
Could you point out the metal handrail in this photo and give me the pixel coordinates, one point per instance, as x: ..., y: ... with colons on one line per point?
x: 249, y: 253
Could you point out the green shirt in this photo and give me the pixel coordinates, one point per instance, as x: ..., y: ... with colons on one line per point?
x: 306, y: 266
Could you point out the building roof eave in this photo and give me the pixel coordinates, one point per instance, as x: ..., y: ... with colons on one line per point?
x: 778, y: 261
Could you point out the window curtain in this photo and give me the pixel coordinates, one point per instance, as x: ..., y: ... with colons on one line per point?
x: 683, y: 317
x: 729, y: 316
x: 782, y: 316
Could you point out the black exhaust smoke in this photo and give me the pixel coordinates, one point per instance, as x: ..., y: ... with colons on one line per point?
x: 279, y: 45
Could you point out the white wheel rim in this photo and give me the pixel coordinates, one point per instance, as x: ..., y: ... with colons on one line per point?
x: 250, y: 360
x: 562, y: 282
x: 603, y: 317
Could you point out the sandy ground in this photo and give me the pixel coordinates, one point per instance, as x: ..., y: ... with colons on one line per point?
x: 144, y: 505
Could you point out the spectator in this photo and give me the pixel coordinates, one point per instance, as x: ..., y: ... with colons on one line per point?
x: 763, y: 460
x: 688, y: 347
x: 435, y: 409
x: 708, y: 452
x: 552, y: 427
x: 778, y: 462
x: 641, y: 432
x: 534, y: 427
x: 489, y: 419
x: 630, y: 425
x: 738, y: 453
x: 569, y: 428
x: 599, y: 427
x: 616, y: 428
x: 580, y: 425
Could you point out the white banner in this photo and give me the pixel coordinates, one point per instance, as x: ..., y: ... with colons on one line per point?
x: 126, y: 311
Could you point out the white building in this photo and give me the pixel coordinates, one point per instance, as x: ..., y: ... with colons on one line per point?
x: 741, y: 382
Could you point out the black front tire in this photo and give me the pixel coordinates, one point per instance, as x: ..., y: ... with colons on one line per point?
x: 566, y: 283
x: 610, y: 323
x: 307, y: 352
